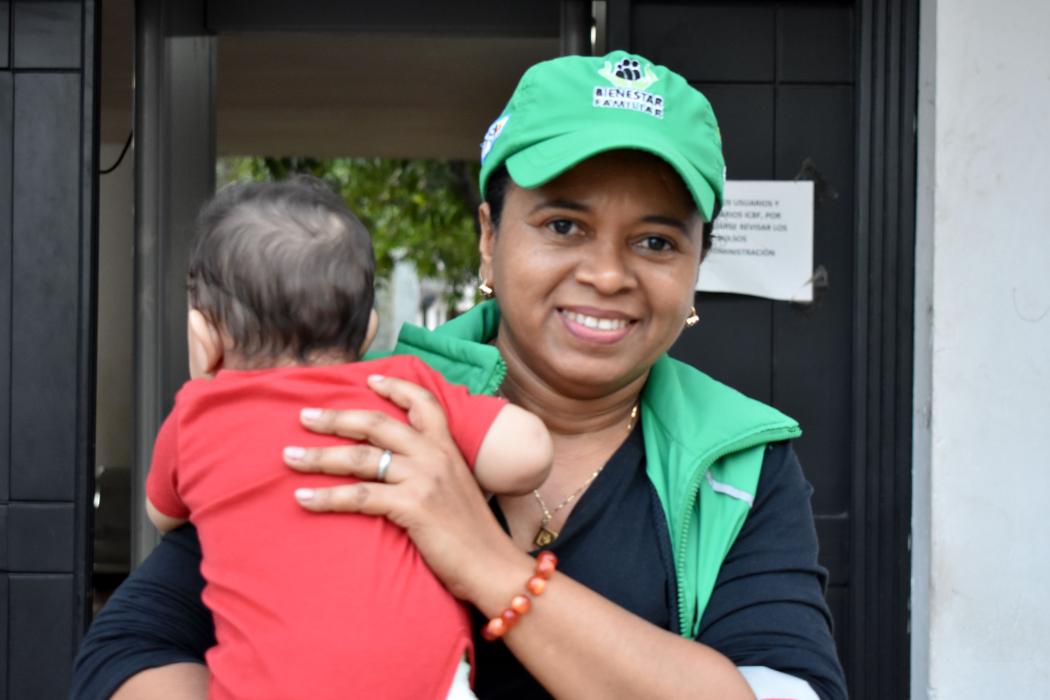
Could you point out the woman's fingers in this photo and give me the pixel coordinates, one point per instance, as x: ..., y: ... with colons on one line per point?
x: 375, y: 427
x: 400, y: 506
x: 425, y: 413
x: 367, y: 498
x: 429, y: 492
x: 360, y: 460
x: 437, y: 503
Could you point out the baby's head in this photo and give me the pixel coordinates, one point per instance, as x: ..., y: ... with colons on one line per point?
x: 280, y: 273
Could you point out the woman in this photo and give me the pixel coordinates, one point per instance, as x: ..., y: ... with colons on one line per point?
x: 677, y: 510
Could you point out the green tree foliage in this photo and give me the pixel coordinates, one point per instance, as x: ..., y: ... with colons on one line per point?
x: 419, y: 211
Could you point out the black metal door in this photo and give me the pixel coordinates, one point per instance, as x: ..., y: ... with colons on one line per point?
x: 794, y: 87
x: 48, y: 161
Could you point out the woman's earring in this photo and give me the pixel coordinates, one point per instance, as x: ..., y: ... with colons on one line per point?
x: 486, y: 291
x: 692, y: 319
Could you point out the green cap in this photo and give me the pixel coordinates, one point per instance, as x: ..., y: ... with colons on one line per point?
x: 569, y: 109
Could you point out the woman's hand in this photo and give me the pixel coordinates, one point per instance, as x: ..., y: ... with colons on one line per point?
x: 427, y: 489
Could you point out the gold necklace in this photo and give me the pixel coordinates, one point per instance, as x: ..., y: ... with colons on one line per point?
x: 545, y: 535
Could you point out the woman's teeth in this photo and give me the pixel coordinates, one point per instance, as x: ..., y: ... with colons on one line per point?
x: 601, y: 324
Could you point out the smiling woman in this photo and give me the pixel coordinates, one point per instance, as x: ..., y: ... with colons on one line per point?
x: 676, y: 508
x: 604, y: 259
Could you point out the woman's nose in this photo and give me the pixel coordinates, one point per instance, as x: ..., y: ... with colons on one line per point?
x: 604, y: 266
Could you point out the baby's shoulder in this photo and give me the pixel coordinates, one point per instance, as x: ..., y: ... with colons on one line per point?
x: 407, y: 367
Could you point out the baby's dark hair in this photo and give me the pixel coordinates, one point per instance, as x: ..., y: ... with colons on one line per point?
x: 284, y: 269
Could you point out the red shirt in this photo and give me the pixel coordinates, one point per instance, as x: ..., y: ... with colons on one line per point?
x: 307, y: 605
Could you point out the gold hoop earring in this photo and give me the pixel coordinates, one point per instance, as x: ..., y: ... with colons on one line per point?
x: 486, y: 291
x: 692, y: 319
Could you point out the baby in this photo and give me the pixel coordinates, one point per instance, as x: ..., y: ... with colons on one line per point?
x: 309, y: 605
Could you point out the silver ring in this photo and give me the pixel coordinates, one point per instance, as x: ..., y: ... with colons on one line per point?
x: 384, y: 463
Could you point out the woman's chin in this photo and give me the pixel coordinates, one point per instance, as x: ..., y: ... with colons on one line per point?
x: 583, y: 375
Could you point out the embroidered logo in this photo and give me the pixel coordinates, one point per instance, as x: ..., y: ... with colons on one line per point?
x: 492, y: 134
x: 628, y: 74
x: 629, y: 88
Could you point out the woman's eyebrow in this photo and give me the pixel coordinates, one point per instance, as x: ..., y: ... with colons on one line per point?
x: 560, y: 203
x: 666, y: 221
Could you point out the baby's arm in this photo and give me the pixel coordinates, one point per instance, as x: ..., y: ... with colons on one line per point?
x: 160, y: 483
x: 164, y: 523
x: 515, y: 455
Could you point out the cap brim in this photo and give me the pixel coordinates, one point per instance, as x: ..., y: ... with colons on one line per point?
x: 544, y: 161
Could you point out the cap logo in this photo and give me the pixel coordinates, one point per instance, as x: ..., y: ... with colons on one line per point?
x: 628, y: 74
x: 629, y: 91
x: 492, y: 134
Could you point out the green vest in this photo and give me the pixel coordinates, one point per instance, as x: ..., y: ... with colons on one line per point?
x: 704, y: 445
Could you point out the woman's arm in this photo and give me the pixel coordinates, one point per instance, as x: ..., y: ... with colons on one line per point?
x: 767, y: 608
x: 574, y: 641
x: 153, y: 620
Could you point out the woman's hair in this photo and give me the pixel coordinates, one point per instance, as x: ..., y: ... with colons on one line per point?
x: 496, y: 193
x: 284, y: 269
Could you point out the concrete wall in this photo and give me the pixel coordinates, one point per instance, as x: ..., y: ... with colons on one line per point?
x: 982, y: 480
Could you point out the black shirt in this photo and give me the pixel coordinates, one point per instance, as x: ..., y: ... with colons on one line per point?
x: 767, y: 608
x: 616, y: 543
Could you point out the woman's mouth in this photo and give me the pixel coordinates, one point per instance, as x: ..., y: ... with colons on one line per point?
x: 604, y: 328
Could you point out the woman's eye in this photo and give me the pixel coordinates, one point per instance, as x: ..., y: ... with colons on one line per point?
x: 561, y: 226
x: 657, y: 244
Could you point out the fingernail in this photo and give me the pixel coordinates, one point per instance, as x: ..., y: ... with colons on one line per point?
x: 376, y: 377
x: 310, y: 414
x: 304, y: 495
x: 294, y: 454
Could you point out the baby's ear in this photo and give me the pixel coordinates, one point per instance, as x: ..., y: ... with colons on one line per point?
x: 204, y: 344
x: 370, y: 334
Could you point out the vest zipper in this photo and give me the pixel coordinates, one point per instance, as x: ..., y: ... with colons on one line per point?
x: 764, y: 436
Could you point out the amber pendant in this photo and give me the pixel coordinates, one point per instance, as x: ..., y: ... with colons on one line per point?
x: 544, y: 537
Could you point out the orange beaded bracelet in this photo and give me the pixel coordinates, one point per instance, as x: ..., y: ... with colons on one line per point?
x: 520, y: 604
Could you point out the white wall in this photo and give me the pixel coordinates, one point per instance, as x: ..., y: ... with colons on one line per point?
x: 981, y: 617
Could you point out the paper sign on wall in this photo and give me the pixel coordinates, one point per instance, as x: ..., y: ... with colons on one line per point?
x: 763, y: 241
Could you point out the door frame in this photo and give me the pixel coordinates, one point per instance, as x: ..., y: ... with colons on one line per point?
x: 877, y: 659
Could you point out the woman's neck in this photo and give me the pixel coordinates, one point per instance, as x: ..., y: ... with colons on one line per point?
x: 567, y: 412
